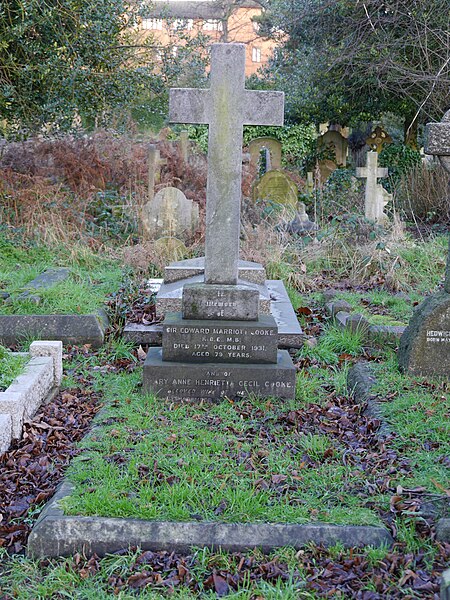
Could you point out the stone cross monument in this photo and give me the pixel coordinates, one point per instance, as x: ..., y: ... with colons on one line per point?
x: 376, y: 196
x: 220, y: 343
x: 226, y: 107
x: 425, y: 346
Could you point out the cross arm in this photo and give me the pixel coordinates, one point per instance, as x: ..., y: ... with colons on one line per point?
x: 188, y: 105
x: 263, y: 108
x: 437, y: 139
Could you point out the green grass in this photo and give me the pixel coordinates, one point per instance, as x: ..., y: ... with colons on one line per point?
x: 11, y: 365
x: 157, y: 460
x: 92, y: 278
x: 418, y: 410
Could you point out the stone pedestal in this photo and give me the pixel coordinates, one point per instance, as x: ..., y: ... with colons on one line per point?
x: 220, y: 341
x: 183, y: 381
x: 227, y: 302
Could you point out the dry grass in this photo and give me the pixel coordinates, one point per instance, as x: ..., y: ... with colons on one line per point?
x: 59, y: 191
x: 424, y: 194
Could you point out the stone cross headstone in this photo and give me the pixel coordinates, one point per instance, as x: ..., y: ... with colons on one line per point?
x: 378, y: 139
x: 155, y: 162
x: 301, y: 223
x: 425, y: 346
x: 226, y: 107
x: 219, y: 344
x: 376, y: 197
x: 170, y: 214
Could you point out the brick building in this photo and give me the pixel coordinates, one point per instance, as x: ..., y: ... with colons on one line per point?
x: 220, y: 20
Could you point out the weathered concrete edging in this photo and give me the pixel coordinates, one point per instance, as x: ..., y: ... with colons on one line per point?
x: 360, y: 382
x: 29, y: 390
x: 55, y: 534
x: 70, y: 329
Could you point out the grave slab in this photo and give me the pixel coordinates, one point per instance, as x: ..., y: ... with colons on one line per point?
x: 70, y: 329
x: 55, y: 534
x: 225, y: 302
x: 48, y: 278
x: 290, y: 334
x: 182, y: 380
x: 219, y: 341
x: 183, y: 269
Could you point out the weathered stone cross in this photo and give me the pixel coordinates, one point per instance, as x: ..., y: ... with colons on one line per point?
x: 226, y: 107
x: 438, y: 143
x: 374, y: 198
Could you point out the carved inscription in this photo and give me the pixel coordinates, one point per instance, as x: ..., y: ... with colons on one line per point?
x: 249, y: 343
x: 438, y: 337
x: 219, y: 386
x: 226, y: 302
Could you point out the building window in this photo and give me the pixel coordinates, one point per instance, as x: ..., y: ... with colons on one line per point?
x: 152, y: 24
x: 178, y: 24
x: 212, y: 25
x: 256, y: 54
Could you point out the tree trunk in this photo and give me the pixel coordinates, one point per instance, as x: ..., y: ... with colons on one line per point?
x: 411, y: 127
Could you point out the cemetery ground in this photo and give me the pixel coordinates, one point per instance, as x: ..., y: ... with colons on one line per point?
x: 322, y: 458
x: 316, y: 459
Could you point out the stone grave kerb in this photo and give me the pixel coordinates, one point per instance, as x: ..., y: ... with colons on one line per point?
x: 226, y: 106
x: 437, y: 143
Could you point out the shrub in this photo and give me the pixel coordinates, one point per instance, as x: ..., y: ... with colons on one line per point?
x: 400, y: 160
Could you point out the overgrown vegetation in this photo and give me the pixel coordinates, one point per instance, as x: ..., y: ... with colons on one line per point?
x: 92, y: 278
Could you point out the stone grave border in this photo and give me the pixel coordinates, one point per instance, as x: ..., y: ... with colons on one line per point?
x: 56, y: 534
x: 68, y: 328
x: 360, y: 383
x: 38, y: 383
x: 341, y: 313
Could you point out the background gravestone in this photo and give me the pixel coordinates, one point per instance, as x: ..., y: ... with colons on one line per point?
x: 278, y: 187
x: 272, y: 145
x: 378, y: 139
x: 337, y: 143
x: 376, y: 197
x: 170, y: 214
x: 425, y: 346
